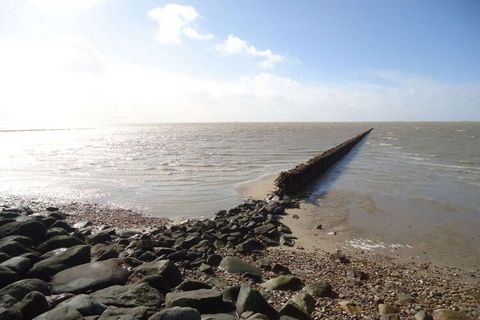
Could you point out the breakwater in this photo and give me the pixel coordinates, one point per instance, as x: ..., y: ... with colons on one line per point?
x: 297, y: 179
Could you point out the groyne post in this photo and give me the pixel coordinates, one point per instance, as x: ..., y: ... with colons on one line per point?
x: 297, y: 179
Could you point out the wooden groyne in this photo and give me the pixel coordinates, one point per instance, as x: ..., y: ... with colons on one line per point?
x: 297, y: 179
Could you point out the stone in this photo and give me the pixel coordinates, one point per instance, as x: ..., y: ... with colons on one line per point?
x: 19, y: 265
x: 231, y: 293
x: 384, y: 309
x: 21, y: 288
x: 139, y: 294
x: 115, y: 313
x: 392, y: 316
x: 236, y: 265
x: 158, y: 282
x: 177, y: 313
x: 90, y: 276
x: 60, y: 242
x: 10, y: 314
x: 60, y: 313
x: 219, y: 316
x: 204, y: 300
x: 214, y: 260
x: 356, y: 275
x: 13, y: 248
x: 279, y: 269
x: 188, y: 285
x: 33, y: 304
x: 165, y: 268
x: 291, y: 309
x: 69, y: 258
x: 446, y: 314
x: 85, y: 304
x: 338, y: 257
x: 252, y: 300
x: 350, y: 307
x: 7, y: 276
x: 422, y: 315
x: 249, y: 246
x: 205, y: 268
x: 29, y: 228
x: 105, y: 253
x: 319, y: 289
x: 305, y: 301
x: 284, y: 283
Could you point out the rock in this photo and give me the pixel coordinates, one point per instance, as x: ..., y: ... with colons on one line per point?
x: 252, y: 300
x: 249, y: 246
x: 338, y: 257
x: 21, y: 288
x: 139, y: 294
x: 177, y: 313
x: 236, y: 265
x: 13, y: 248
x: 90, y: 276
x: 356, y: 275
x: 205, y: 268
x: 7, y: 276
x: 85, y: 304
x: 284, y: 283
x: 279, y: 269
x: 384, y: 309
x: 446, y: 314
x: 29, y: 228
x: 319, y: 289
x: 204, y: 300
x: 230, y: 293
x: 188, y: 285
x: 10, y: 314
x: 165, y: 268
x: 392, y: 316
x: 219, y: 316
x: 60, y: 313
x: 214, y: 260
x: 19, y: 265
x: 114, y: 313
x: 305, y: 301
x: 32, y: 305
x: 350, y: 307
x: 158, y: 282
x: 59, y: 242
x: 69, y: 258
x: 291, y: 309
x: 422, y: 315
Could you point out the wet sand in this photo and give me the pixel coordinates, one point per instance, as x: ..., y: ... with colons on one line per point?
x: 359, y: 223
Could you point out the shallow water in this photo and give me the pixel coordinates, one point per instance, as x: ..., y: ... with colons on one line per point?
x: 195, y: 169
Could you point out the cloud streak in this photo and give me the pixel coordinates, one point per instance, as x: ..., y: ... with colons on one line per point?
x: 233, y: 45
x: 176, y: 22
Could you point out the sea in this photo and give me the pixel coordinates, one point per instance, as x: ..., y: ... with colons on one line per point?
x: 416, y: 180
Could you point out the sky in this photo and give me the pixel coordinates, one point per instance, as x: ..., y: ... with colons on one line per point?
x: 91, y: 62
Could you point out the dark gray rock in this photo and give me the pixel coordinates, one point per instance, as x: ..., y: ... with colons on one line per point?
x: 237, y: 265
x: 252, y: 300
x: 139, y: 294
x: 14, y: 248
x: 10, y: 314
x: 114, y: 313
x: 291, y: 309
x: 69, y: 258
x: 219, y: 316
x: 177, y: 313
x: 158, y: 282
x: 214, y: 260
x: 284, y: 283
x: 231, y: 293
x: 280, y: 269
x: 7, y: 276
x: 32, y: 305
x: 188, y: 285
x: 60, y: 313
x: 90, y: 276
x: 60, y: 242
x: 29, y: 228
x: 85, y: 304
x: 305, y: 301
x: 21, y: 288
x: 249, y: 246
x: 165, y: 268
x: 204, y: 300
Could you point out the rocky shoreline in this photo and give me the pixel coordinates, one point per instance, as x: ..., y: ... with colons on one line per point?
x: 88, y: 262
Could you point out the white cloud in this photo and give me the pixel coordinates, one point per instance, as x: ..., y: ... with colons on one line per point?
x: 175, y: 22
x: 68, y: 82
x: 65, y: 6
x: 233, y: 45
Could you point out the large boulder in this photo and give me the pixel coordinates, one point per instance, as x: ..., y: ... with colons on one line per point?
x: 115, y: 313
x: 237, y: 265
x: 61, y: 313
x: 7, y: 276
x: 60, y: 242
x: 69, y: 258
x: 130, y: 296
x: 85, y: 304
x: 165, y: 268
x: 90, y: 276
x: 204, y: 300
x: 252, y: 300
x: 29, y: 228
x: 177, y: 313
x: 32, y: 305
x: 19, y: 265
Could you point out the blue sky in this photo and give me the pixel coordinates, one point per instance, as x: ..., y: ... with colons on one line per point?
x: 108, y: 61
